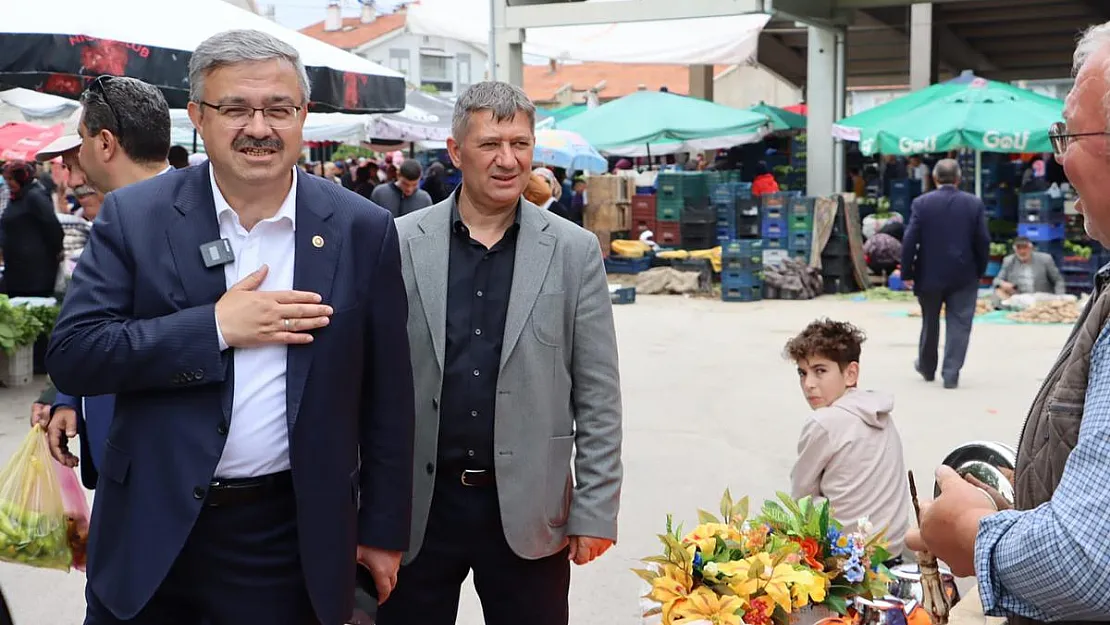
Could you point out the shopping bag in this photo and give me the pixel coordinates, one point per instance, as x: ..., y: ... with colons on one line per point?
x: 32, y: 515
x: 76, y: 507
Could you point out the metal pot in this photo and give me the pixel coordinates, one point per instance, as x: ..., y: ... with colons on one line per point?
x: 906, y: 583
x: 984, y: 459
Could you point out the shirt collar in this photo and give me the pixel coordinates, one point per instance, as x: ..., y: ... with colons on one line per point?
x: 456, y: 218
x: 167, y: 170
x: 288, y: 209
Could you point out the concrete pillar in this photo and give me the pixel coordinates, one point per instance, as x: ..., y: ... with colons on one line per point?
x: 701, y: 82
x: 506, y: 47
x: 923, y: 68
x: 839, y: 95
x: 821, y: 104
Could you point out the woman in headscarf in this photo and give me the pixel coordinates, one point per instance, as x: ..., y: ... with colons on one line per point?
x: 30, y: 235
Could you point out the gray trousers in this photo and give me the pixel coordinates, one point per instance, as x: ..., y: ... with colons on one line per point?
x: 959, y: 307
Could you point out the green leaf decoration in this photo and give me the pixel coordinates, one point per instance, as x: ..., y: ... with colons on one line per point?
x: 646, y: 575
x: 837, y: 604
x: 739, y: 511
x: 726, y: 506
x: 707, y: 517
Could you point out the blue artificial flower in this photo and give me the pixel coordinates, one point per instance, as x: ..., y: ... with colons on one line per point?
x: 839, y: 544
x: 853, y: 572
x: 697, y: 559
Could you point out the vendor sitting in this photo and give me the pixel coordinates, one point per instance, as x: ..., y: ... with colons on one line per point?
x: 1027, y: 271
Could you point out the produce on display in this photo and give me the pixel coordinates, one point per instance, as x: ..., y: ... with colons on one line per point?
x: 982, y: 306
x: 1074, y: 249
x: 999, y: 249
x: 1061, y: 311
x: 34, y: 529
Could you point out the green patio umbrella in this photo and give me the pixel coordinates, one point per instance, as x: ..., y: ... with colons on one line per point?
x: 962, y: 94
x: 644, y: 118
x: 566, y: 112
x: 986, y: 119
x: 782, y: 120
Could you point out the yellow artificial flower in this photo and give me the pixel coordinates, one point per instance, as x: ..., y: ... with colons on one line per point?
x: 671, y: 589
x: 811, y: 591
x: 705, y: 536
x: 758, y: 573
x: 705, y: 605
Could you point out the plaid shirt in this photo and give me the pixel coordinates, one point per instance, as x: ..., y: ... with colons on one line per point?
x: 1050, y: 563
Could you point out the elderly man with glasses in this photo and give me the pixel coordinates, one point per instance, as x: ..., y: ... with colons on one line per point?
x: 1045, y: 560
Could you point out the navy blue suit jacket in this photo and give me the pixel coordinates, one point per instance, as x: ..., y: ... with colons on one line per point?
x: 946, y: 245
x: 138, y: 321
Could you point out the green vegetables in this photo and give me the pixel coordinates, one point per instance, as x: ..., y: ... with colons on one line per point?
x: 28, y: 537
x: 34, y: 529
x: 999, y: 249
x: 1075, y: 249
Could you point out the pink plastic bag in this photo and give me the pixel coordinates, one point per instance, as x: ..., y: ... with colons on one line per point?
x: 77, y: 512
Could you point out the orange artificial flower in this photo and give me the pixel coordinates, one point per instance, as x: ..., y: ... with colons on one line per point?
x: 811, y: 551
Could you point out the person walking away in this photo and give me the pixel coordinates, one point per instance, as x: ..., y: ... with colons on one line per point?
x: 944, y: 252
x: 1038, y: 562
x: 178, y: 157
x: 403, y: 195
x: 515, y: 365
x: 251, y: 322
x: 30, y: 234
x: 123, y: 136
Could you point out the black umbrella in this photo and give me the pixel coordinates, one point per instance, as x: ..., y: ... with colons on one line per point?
x: 60, y: 49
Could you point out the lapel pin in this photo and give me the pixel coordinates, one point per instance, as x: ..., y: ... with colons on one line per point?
x: 317, y: 241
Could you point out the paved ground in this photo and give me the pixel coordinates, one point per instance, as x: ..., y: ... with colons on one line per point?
x: 708, y: 403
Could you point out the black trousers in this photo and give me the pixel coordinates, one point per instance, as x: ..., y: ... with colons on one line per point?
x: 465, y: 534
x: 959, y: 306
x: 241, y: 564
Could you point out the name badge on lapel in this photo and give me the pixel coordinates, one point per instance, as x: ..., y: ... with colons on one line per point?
x: 217, y: 253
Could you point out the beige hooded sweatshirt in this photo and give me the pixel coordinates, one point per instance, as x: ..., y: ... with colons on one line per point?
x: 850, y: 453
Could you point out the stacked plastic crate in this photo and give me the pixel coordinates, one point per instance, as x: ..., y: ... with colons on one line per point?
x: 742, y: 270
x: 643, y: 215
x: 837, y: 268
x: 795, y: 178
x: 799, y: 227
x: 1041, y: 220
x: 902, y: 193
x: 698, y: 220
x: 729, y: 201
x: 773, y: 227
x: 669, y: 202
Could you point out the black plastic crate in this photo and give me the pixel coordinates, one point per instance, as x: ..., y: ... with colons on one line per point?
x: 837, y: 266
x: 837, y: 246
x: 698, y: 215
x: 737, y: 293
x: 623, y: 295
x: 839, y: 284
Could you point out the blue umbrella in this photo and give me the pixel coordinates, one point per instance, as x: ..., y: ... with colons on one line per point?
x: 566, y: 149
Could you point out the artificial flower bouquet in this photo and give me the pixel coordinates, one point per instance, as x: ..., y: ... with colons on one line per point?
x: 764, y: 570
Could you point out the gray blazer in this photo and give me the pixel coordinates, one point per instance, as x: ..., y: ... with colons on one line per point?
x: 558, y: 394
x: 1046, y: 276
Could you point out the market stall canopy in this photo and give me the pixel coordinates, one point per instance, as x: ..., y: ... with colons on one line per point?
x: 24, y: 105
x: 700, y: 41
x: 426, y: 117
x: 964, y: 92
x: 985, y: 119
x: 58, y: 48
x: 782, y: 120
x: 566, y: 149
x: 662, y: 123
x: 19, y: 141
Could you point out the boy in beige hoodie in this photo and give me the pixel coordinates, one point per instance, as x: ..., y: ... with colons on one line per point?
x: 849, y: 451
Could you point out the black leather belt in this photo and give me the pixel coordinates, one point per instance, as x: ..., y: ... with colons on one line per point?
x: 238, y: 491
x: 479, y: 478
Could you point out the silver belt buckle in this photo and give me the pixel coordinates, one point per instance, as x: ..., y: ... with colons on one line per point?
x: 470, y: 472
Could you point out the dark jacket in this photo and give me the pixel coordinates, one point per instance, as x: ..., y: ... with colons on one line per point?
x: 32, y: 243
x: 138, y: 321
x: 946, y: 245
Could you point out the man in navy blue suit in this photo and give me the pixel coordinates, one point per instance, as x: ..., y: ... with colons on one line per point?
x: 251, y: 322
x: 122, y: 136
x: 944, y: 253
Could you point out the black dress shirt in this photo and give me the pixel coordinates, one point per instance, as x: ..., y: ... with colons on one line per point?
x: 479, y: 282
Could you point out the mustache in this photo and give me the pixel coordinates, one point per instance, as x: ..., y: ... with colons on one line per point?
x: 83, y: 190
x: 270, y: 143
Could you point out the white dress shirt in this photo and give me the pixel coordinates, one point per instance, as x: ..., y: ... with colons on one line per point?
x: 258, y: 437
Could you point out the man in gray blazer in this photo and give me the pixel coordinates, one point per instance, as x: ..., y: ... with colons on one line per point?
x: 515, y: 356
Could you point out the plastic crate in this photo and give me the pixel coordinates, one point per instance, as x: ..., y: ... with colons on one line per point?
x: 698, y: 216
x: 800, y: 241
x: 837, y: 266
x: 668, y: 212
x: 726, y: 216
x: 726, y: 234
x: 773, y: 205
x: 1040, y: 202
x: 839, y: 284
x: 17, y: 369
x: 774, y: 257
x: 747, y: 207
x: 772, y: 228
x: 641, y: 225
x: 799, y: 223
x: 668, y: 233
x: 837, y: 245
x: 623, y: 295
x: 774, y: 244
x: 742, y: 248
x: 1041, y: 231
x: 743, y: 277
x: 801, y: 206
x: 738, y: 293
x: 993, y: 267
x: 619, y: 264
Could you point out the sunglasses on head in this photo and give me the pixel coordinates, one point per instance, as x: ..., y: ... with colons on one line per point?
x: 98, y: 87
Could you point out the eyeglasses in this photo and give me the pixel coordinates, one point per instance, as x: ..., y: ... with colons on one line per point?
x: 97, y: 87
x: 238, y: 116
x: 1060, y: 137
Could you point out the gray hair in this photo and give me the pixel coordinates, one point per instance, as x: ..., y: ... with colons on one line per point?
x: 132, y: 110
x: 947, y: 171
x: 500, y: 98
x: 1093, y: 39
x: 241, y: 46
